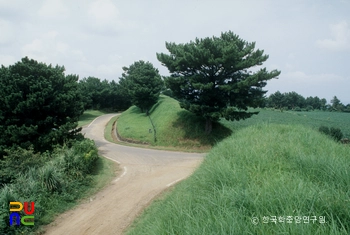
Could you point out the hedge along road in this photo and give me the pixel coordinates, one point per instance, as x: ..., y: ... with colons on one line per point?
x: 145, y: 174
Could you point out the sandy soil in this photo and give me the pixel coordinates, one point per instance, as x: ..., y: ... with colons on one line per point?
x: 145, y: 174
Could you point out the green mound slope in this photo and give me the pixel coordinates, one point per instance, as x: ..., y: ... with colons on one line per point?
x: 175, y: 127
x: 265, y: 179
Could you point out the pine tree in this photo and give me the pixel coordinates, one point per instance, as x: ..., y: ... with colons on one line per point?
x: 40, y: 105
x: 212, y: 77
x: 142, y: 83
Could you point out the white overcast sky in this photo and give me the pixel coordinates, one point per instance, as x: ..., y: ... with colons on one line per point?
x: 308, y: 40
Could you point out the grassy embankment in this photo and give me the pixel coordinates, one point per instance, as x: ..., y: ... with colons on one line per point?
x: 261, y: 171
x: 175, y: 128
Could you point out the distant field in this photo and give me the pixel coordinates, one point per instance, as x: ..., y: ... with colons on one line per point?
x: 264, y: 179
x: 88, y: 116
x: 313, y: 119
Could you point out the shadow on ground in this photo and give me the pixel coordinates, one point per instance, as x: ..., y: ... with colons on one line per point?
x: 194, y: 127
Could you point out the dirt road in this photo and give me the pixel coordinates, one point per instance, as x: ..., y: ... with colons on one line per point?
x: 145, y: 174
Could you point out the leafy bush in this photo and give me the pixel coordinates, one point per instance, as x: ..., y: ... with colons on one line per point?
x: 81, y: 158
x: 335, y: 133
x: 309, y: 108
x: 324, y: 130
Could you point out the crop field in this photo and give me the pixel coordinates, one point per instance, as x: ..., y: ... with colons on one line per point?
x: 313, y: 119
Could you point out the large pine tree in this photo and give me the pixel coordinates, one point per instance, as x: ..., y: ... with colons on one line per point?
x: 213, y: 77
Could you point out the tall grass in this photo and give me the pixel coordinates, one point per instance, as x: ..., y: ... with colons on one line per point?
x: 260, y: 173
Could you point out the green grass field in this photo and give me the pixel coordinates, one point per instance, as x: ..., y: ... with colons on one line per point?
x: 88, y: 116
x: 264, y: 172
x: 313, y: 119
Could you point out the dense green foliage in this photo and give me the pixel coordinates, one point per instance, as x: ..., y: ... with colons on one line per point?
x: 43, y: 157
x: 261, y: 171
x: 213, y: 77
x: 40, y: 105
x: 142, y: 83
x: 333, y: 132
x: 56, y: 178
x: 106, y: 95
x: 295, y: 101
x: 338, y: 106
x: 176, y: 128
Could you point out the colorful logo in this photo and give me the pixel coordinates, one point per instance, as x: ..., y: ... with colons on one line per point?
x: 28, y: 219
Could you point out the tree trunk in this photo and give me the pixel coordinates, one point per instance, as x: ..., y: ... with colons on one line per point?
x: 208, y: 126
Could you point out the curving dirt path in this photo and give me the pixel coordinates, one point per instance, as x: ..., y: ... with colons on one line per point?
x: 145, y: 174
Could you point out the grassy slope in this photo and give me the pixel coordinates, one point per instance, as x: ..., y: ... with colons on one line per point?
x: 174, y: 127
x: 263, y: 170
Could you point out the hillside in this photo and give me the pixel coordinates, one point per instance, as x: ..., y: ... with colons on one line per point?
x: 175, y: 127
x: 264, y: 179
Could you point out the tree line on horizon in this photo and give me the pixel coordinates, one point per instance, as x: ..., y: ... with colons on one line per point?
x: 294, y: 101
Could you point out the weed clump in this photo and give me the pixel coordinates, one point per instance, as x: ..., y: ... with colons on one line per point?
x: 333, y: 132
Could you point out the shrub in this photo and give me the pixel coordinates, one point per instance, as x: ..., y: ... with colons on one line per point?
x: 309, y: 108
x: 81, y: 158
x: 324, y: 130
x: 335, y: 133
x: 19, y: 160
